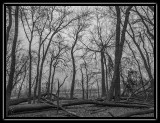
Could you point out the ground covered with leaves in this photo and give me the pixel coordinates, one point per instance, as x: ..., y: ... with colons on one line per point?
x: 85, y: 110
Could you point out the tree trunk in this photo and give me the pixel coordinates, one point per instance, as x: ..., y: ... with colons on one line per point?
x: 49, y: 78
x: 13, y: 61
x: 9, y: 25
x: 74, y: 74
x: 21, y: 84
x: 106, y: 74
x: 82, y: 81
x: 103, y: 74
x: 115, y: 86
x: 98, y: 88
x: 87, y: 79
x: 39, y: 80
x: 53, y: 79
x: 30, y: 73
x: 58, y: 97
x: 36, y: 85
x: 87, y: 86
x: 42, y: 63
x: 117, y: 57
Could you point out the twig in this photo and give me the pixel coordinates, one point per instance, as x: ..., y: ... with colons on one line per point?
x: 111, y: 114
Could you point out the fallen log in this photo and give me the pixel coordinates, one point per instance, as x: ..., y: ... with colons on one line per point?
x: 105, y: 104
x: 142, y: 112
x: 103, y: 99
x: 28, y: 108
x: 126, y: 102
x: 21, y: 100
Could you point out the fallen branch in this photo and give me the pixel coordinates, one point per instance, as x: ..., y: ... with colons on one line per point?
x: 21, y: 100
x: 59, y: 107
x: 148, y: 111
x: 111, y: 114
x: 106, y: 104
x: 137, y: 90
x: 126, y: 102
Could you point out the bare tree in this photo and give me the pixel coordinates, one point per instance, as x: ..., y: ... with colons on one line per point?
x: 146, y: 61
x: 30, y: 19
x: 55, y: 55
x: 115, y: 85
x: 12, y: 68
x: 80, y: 26
x: 61, y: 23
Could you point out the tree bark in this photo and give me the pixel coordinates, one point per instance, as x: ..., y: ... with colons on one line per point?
x: 49, y: 77
x: 22, y: 84
x: 28, y: 108
x: 82, y: 81
x: 115, y: 81
x: 103, y: 74
x: 36, y: 85
x: 9, y: 25
x: 13, y: 61
x: 98, y: 88
x: 53, y: 78
x: 115, y: 86
x: 87, y: 80
x: 74, y: 71
x: 106, y: 74
x: 30, y: 73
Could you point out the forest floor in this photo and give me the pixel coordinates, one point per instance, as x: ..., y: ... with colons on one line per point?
x: 85, y: 110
